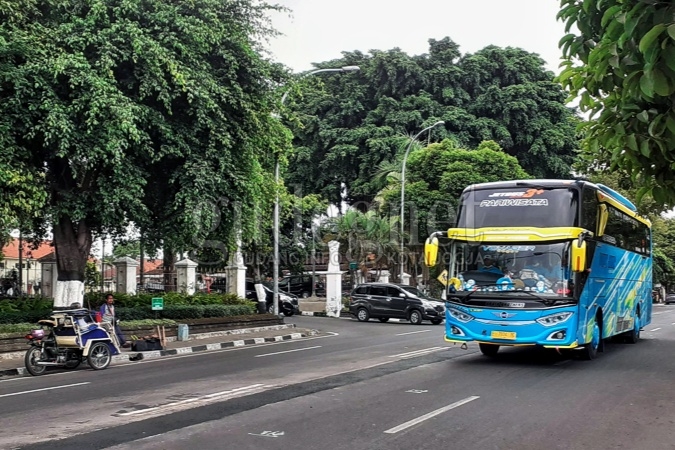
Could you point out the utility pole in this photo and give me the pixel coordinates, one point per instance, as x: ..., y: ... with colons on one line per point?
x: 102, y: 265
x: 19, y: 288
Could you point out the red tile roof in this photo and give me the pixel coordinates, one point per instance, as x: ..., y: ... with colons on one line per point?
x: 11, y: 250
x: 151, y: 265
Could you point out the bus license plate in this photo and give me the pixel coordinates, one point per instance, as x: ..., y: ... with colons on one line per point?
x: 503, y: 335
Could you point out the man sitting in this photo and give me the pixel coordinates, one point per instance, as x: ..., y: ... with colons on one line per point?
x: 490, y: 266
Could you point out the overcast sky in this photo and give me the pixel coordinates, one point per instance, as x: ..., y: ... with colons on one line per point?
x: 319, y: 30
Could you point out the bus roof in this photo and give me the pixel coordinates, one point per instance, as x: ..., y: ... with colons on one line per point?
x: 527, y: 183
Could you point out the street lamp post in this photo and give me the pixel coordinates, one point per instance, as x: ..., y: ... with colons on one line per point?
x: 275, y: 273
x: 405, y: 158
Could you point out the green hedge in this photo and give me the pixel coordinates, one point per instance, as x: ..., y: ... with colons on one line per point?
x: 170, y: 298
x: 136, y: 307
x: 176, y: 312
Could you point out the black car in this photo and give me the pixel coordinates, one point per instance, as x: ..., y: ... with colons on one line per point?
x: 300, y: 285
x: 385, y: 300
x: 288, y: 304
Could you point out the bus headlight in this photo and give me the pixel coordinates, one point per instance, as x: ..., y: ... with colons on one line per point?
x: 459, y: 315
x: 554, y: 319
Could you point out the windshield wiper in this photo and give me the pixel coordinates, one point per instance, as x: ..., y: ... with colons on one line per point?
x: 544, y: 300
x: 466, y: 297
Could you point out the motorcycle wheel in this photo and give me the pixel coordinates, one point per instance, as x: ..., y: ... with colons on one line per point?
x: 33, y: 355
x: 99, y: 356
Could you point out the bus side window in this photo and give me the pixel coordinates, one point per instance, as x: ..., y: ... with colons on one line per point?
x: 589, y: 210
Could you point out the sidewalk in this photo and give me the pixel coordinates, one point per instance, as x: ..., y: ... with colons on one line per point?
x: 12, y: 365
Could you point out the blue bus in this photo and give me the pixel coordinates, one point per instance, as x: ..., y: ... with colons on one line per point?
x: 561, y: 264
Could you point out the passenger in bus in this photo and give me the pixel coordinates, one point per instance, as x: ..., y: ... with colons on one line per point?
x: 540, y: 266
x: 490, y: 266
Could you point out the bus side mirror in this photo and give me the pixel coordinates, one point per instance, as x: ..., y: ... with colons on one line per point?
x: 578, y: 255
x: 431, y: 251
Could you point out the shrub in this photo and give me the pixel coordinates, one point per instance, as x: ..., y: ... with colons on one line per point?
x: 170, y: 298
x: 135, y: 307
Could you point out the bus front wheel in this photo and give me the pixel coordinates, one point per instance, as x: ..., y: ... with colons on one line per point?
x: 590, y: 350
x: 488, y: 349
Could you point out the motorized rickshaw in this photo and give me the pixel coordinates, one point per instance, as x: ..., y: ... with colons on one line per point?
x: 68, y: 338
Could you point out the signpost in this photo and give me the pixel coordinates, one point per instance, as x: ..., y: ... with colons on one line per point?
x: 157, y: 304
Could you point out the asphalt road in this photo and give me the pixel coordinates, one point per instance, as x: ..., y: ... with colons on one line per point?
x: 360, y: 386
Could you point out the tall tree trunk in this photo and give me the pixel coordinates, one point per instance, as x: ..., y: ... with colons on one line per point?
x: 73, y: 244
x: 169, y: 268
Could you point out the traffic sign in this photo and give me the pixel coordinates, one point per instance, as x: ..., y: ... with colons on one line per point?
x: 353, y: 265
x: 443, y: 278
x: 157, y: 304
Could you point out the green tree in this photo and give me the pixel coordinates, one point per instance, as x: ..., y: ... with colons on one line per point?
x: 436, y: 177
x: 127, y: 247
x: 139, y: 112
x: 621, y: 66
x: 21, y: 195
x: 369, y: 238
x: 347, y: 126
x: 92, y: 276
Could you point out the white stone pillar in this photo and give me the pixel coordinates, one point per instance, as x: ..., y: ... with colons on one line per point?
x: 49, y: 278
x: 333, y: 281
x: 384, y: 277
x: 405, y: 279
x: 236, y: 273
x: 186, y: 272
x: 126, y: 275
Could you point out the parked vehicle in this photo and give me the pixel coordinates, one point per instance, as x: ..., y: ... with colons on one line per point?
x: 670, y: 298
x: 288, y: 303
x: 300, y: 285
x: 70, y: 337
x: 384, y: 301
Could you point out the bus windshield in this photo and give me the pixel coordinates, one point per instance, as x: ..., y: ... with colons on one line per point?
x: 518, y: 207
x: 541, y: 268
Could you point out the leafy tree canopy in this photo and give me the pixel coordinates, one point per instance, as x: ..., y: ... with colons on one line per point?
x: 438, y: 174
x: 621, y: 66
x: 349, y: 125
x: 138, y: 111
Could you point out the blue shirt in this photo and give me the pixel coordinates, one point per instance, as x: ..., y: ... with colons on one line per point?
x: 491, y: 269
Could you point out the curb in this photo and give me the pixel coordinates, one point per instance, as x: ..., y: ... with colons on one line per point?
x: 323, y: 314
x: 123, y: 358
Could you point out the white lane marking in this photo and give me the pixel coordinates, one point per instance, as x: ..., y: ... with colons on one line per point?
x: 216, y: 395
x: 272, y: 434
x: 417, y: 352
x: 45, y: 389
x: 288, y: 351
x: 656, y: 329
x: 413, y: 332
x: 420, y: 419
